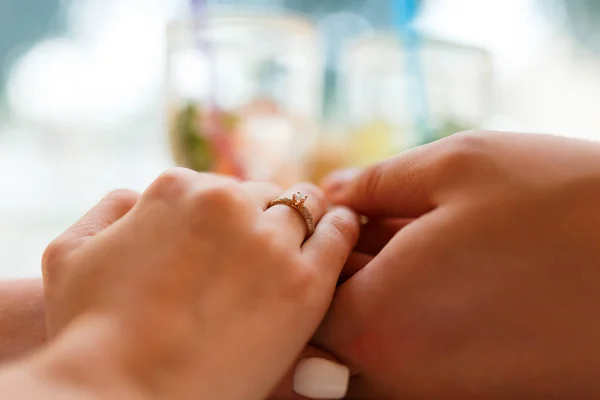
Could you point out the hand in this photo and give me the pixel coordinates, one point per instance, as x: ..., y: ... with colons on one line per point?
x: 194, y: 290
x: 22, y: 324
x: 481, y: 275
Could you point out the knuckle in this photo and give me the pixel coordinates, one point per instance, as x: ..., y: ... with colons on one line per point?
x: 270, y: 187
x: 370, y: 179
x: 312, y: 190
x: 53, y: 256
x: 469, y: 133
x: 308, y: 187
x: 123, y: 198
x: 463, y: 153
x: 224, y: 206
x: 224, y: 196
x: 342, y: 228
x: 171, y: 183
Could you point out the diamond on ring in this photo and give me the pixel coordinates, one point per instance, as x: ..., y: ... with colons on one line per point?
x: 298, y: 199
x: 297, y: 203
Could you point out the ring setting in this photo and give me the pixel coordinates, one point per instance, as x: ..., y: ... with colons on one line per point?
x: 297, y: 202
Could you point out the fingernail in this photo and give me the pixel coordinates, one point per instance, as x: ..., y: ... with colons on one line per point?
x: 337, y: 179
x: 319, y: 378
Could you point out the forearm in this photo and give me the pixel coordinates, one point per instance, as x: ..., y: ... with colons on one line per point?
x: 76, y: 366
x: 22, y: 381
x: 22, y: 317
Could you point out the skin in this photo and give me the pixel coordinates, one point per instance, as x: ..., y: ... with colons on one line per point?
x: 480, y: 275
x: 477, y: 274
x: 22, y: 323
x: 191, y: 290
x: 23, y: 330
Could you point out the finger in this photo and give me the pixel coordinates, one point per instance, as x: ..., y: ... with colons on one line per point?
x: 355, y: 262
x: 109, y: 210
x: 174, y: 180
x: 289, y: 221
x: 376, y: 233
x: 398, y: 187
x: 363, y: 303
x: 332, y: 241
x: 315, y: 375
x: 262, y: 192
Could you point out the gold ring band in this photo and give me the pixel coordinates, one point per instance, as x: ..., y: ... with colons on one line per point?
x: 297, y: 203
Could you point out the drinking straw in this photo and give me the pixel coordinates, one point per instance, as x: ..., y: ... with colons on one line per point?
x: 404, y: 13
x: 215, y: 128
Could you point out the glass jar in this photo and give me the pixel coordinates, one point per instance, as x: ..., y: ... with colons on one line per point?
x: 244, y: 93
x: 399, y: 96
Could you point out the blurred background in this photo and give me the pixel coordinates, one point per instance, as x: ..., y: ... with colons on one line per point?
x: 102, y: 94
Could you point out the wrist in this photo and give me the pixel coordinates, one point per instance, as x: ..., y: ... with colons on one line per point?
x: 86, y: 359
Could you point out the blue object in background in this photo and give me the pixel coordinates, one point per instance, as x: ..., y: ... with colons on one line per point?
x: 404, y: 14
x: 22, y: 23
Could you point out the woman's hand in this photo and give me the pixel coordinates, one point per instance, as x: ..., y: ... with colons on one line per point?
x: 482, y: 276
x: 22, y: 323
x: 195, y: 289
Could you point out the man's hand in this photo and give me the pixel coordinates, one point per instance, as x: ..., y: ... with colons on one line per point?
x: 478, y: 273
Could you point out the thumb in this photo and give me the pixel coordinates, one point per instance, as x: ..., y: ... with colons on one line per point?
x: 315, y: 375
x: 399, y: 187
x: 54, y: 272
x: 108, y: 211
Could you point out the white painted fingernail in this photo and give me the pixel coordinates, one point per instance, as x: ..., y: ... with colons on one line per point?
x: 318, y: 378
